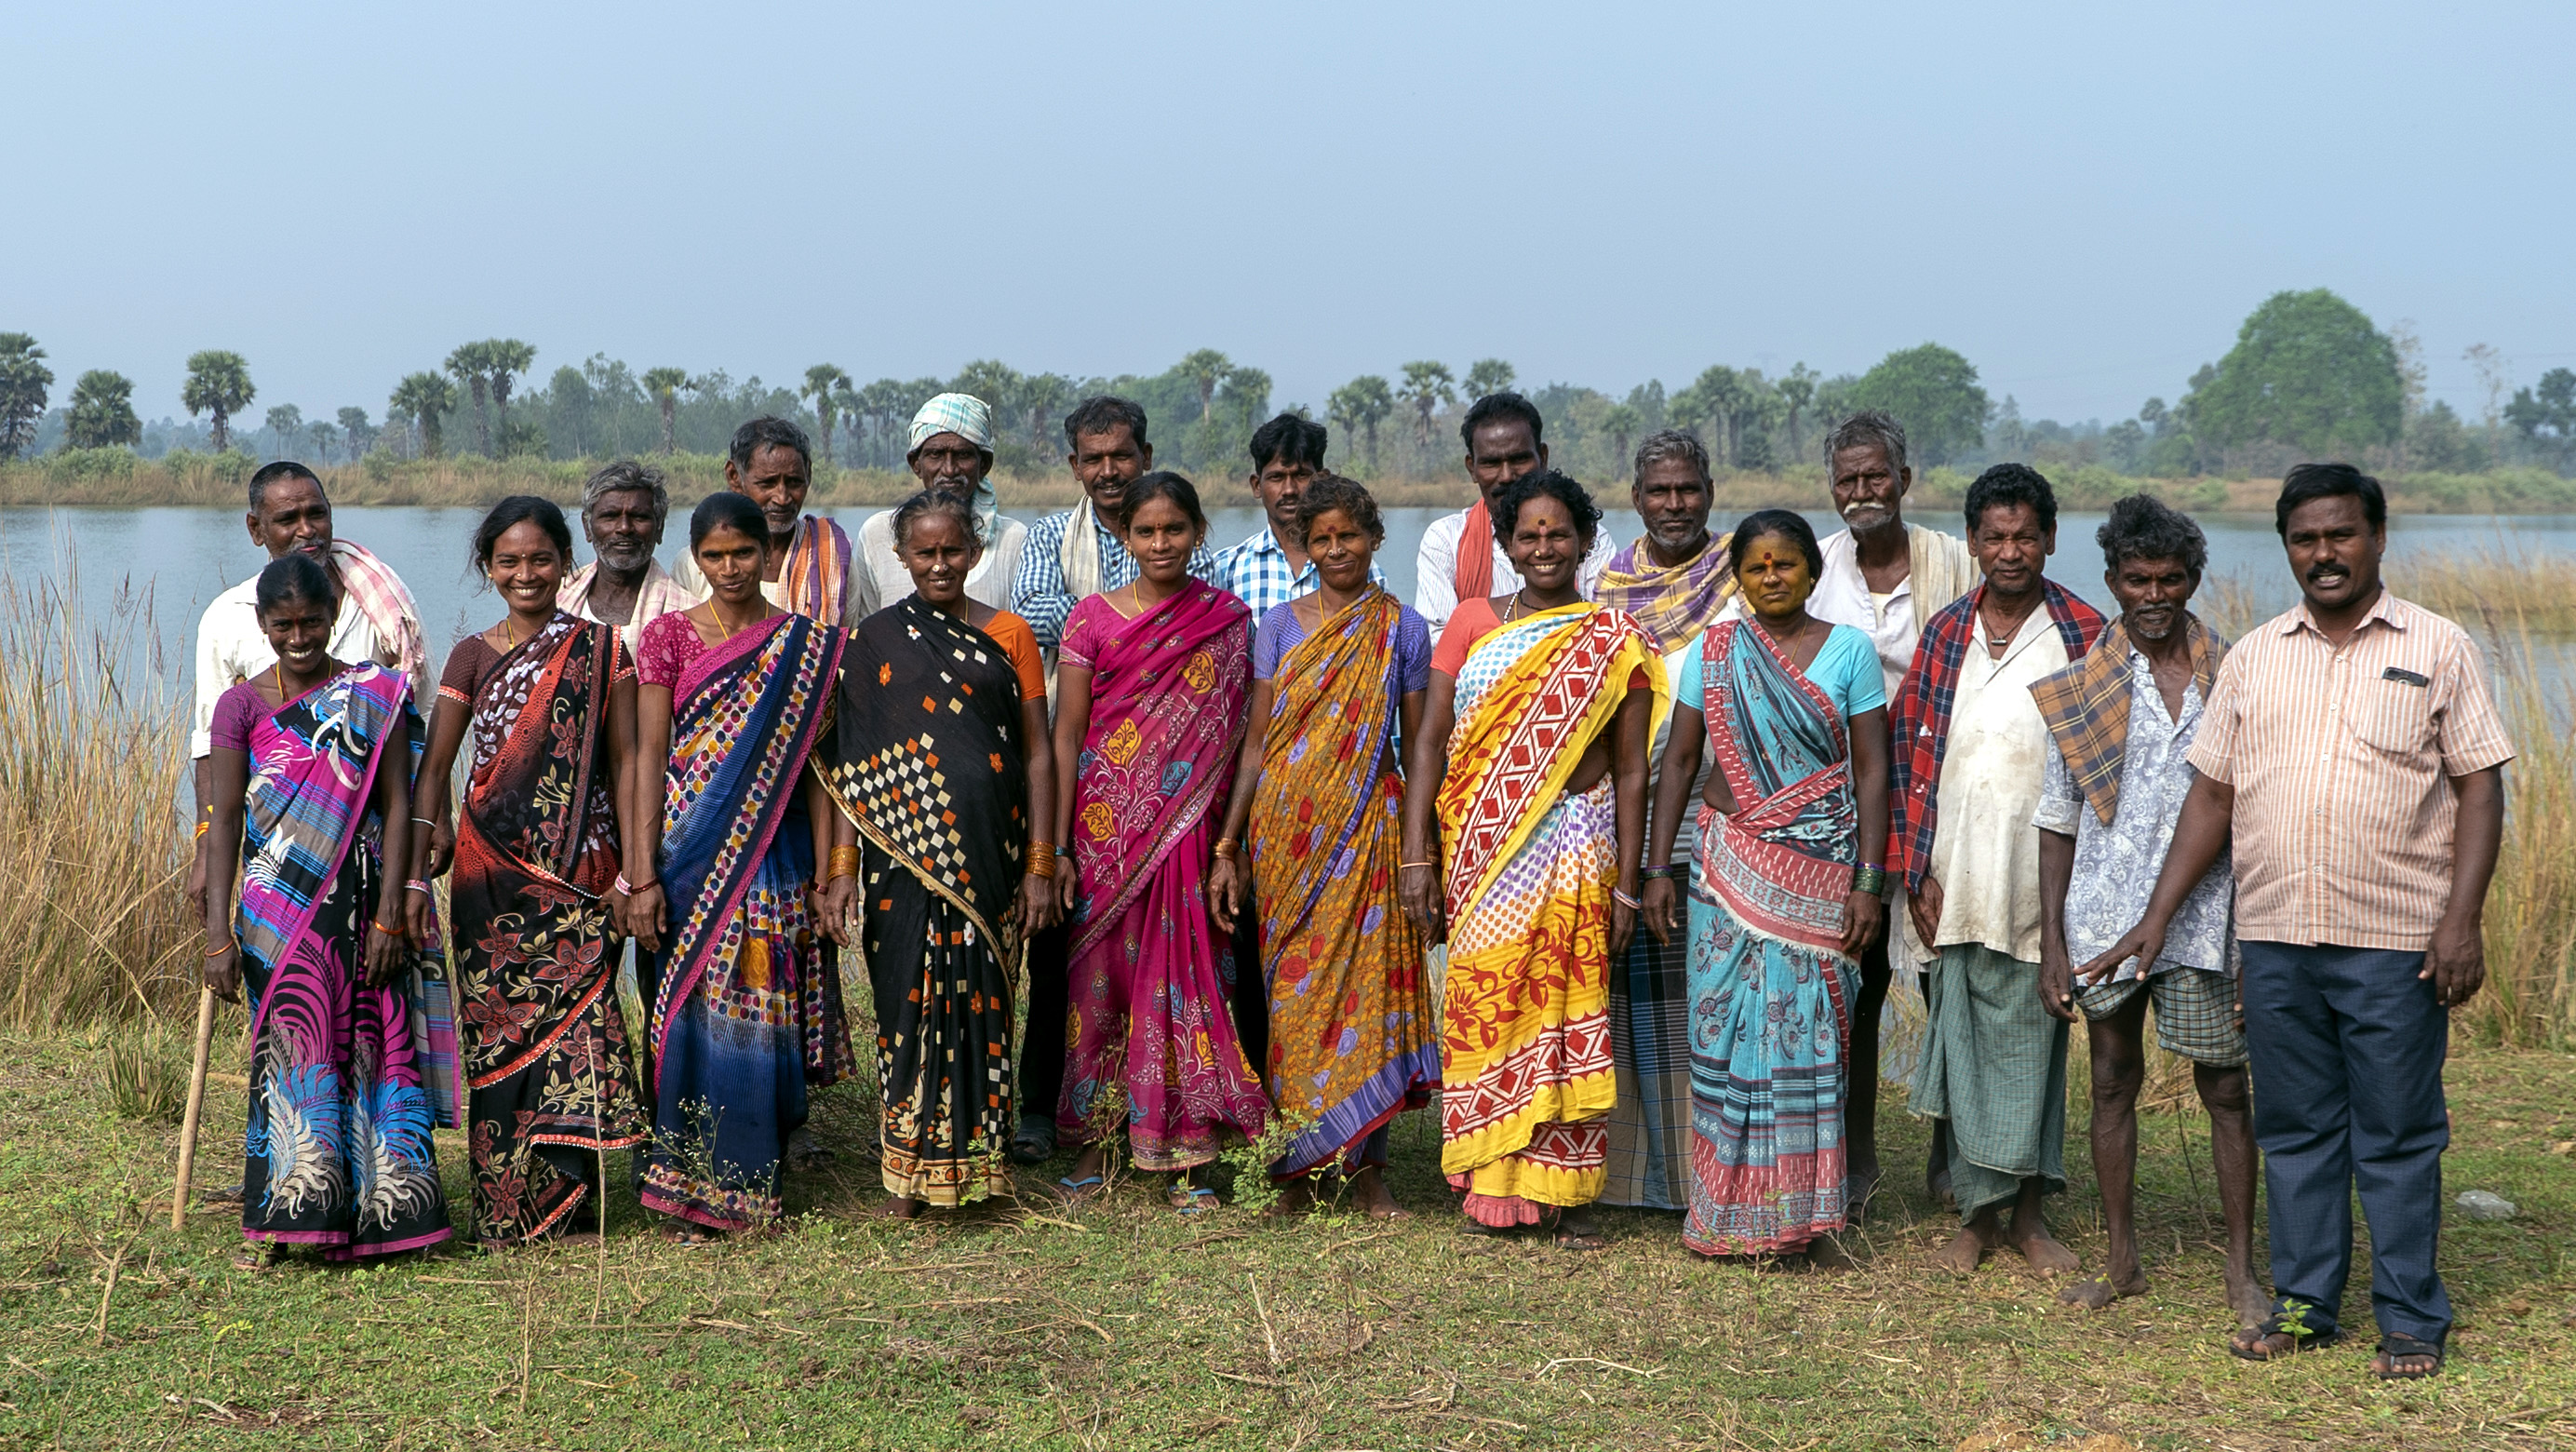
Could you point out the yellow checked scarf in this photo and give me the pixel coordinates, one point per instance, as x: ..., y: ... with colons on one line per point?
x: 2086, y: 707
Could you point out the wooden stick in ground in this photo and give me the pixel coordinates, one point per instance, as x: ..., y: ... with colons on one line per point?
x: 196, y: 1106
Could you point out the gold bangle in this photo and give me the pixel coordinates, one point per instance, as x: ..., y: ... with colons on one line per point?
x: 388, y: 932
x: 219, y: 952
x: 1225, y: 847
x: 844, y: 862
x: 1043, y: 869
x: 1401, y: 866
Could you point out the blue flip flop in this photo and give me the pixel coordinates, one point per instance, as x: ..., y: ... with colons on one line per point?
x: 1073, y: 1189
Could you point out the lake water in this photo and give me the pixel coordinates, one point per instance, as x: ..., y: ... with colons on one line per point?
x: 184, y: 557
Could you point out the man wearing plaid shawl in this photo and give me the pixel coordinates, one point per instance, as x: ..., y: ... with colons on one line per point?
x: 951, y: 453
x: 2120, y: 723
x: 1969, y: 748
x: 1674, y: 580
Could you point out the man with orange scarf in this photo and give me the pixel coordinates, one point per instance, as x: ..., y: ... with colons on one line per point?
x: 1460, y: 558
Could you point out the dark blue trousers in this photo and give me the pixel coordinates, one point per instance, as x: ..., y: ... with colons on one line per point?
x: 2347, y: 1048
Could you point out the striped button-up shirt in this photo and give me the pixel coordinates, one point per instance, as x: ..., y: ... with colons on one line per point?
x: 1257, y: 573
x: 2341, y: 760
x: 1039, y: 595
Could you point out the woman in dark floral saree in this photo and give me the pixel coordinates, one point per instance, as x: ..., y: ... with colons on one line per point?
x: 547, y: 701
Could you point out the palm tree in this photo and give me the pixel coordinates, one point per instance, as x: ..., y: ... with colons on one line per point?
x: 324, y: 436
x: 1358, y: 405
x: 1797, y: 387
x: 1205, y: 369
x: 425, y: 399
x: 1489, y: 376
x: 285, y: 425
x: 472, y: 365
x: 1426, y: 386
x: 24, y: 378
x: 103, y: 412
x: 990, y: 379
x: 1620, y: 422
x: 1043, y: 395
x: 845, y: 403
x: 825, y: 384
x: 218, y: 384
x: 506, y: 358
x: 664, y: 385
x: 361, y: 434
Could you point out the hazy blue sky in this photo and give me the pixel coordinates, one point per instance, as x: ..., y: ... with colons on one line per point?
x: 2085, y: 200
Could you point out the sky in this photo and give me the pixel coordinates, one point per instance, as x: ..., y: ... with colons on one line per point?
x: 2084, y: 200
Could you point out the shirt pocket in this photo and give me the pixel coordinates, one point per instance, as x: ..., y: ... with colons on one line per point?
x: 2393, y: 715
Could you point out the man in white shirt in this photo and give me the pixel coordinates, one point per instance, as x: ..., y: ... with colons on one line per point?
x: 1970, y: 747
x: 377, y: 620
x: 952, y: 453
x: 1461, y: 559
x: 624, y: 507
x: 1884, y: 578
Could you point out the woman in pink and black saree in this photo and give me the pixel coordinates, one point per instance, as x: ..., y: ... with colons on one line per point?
x: 353, y: 1057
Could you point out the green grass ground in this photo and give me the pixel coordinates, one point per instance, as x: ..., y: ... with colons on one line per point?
x: 1121, y: 1325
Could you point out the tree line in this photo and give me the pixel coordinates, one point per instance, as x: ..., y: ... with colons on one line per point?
x: 2309, y: 376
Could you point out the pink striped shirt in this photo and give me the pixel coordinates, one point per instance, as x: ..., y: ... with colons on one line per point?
x: 2342, y: 761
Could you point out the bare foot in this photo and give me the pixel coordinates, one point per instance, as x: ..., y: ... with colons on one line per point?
x: 1576, y: 1229
x: 1296, y: 1197
x: 2246, y: 1298
x: 1826, y: 1253
x: 898, y: 1207
x: 1858, y: 1189
x: 1963, y: 1252
x: 1375, y: 1201
x: 2096, y: 1292
x: 2045, y: 1256
x: 1937, y: 1184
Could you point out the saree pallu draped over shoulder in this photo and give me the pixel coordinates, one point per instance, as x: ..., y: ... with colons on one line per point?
x: 746, y: 1003
x: 1150, y: 1020
x: 1352, y: 1042
x: 347, y: 1079
x: 551, y: 1078
x: 929, y: 762
x: 1771, y: 988
x: 1526, y: 1071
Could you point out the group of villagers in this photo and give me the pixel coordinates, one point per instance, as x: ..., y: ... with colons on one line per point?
x: 1599, y: 861
x: 746, y: 791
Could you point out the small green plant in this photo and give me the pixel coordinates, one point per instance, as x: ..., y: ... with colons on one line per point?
x: 143, y: 1078
x: 1251, y: 1160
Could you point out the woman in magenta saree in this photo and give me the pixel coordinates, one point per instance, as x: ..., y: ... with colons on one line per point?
x: 742, y: 986
x: 353, y: 1055
x: 1151, y: 716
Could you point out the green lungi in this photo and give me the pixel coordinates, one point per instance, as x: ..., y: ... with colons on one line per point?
x: 1994, y: 1065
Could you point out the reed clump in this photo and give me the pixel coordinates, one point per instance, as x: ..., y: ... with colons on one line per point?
x: 2530, y: 997
x: 93, y: 744
x: 2503, y: 596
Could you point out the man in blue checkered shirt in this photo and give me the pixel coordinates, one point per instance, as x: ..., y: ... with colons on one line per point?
x: 1270, y: 569
x: 1078, y: 552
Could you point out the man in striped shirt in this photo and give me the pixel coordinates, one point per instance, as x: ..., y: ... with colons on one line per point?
x: 2352, y: 748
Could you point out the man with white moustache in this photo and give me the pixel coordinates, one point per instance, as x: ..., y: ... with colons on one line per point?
x: 1884, y: 578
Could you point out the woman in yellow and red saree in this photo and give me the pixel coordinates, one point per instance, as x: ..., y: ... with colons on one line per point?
x: 1533, y: 754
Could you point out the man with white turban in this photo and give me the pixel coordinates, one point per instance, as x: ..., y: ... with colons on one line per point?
x: 952, y: 452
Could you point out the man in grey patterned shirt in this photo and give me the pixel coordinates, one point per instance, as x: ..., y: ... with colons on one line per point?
x: 2120, y: 722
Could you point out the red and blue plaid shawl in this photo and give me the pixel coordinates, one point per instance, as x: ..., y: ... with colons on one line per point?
x: 1919, y: 725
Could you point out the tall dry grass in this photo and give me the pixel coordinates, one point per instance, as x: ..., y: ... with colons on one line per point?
x: 2502, y: 595
x: 2530, y: 999
x: 93, y: 747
